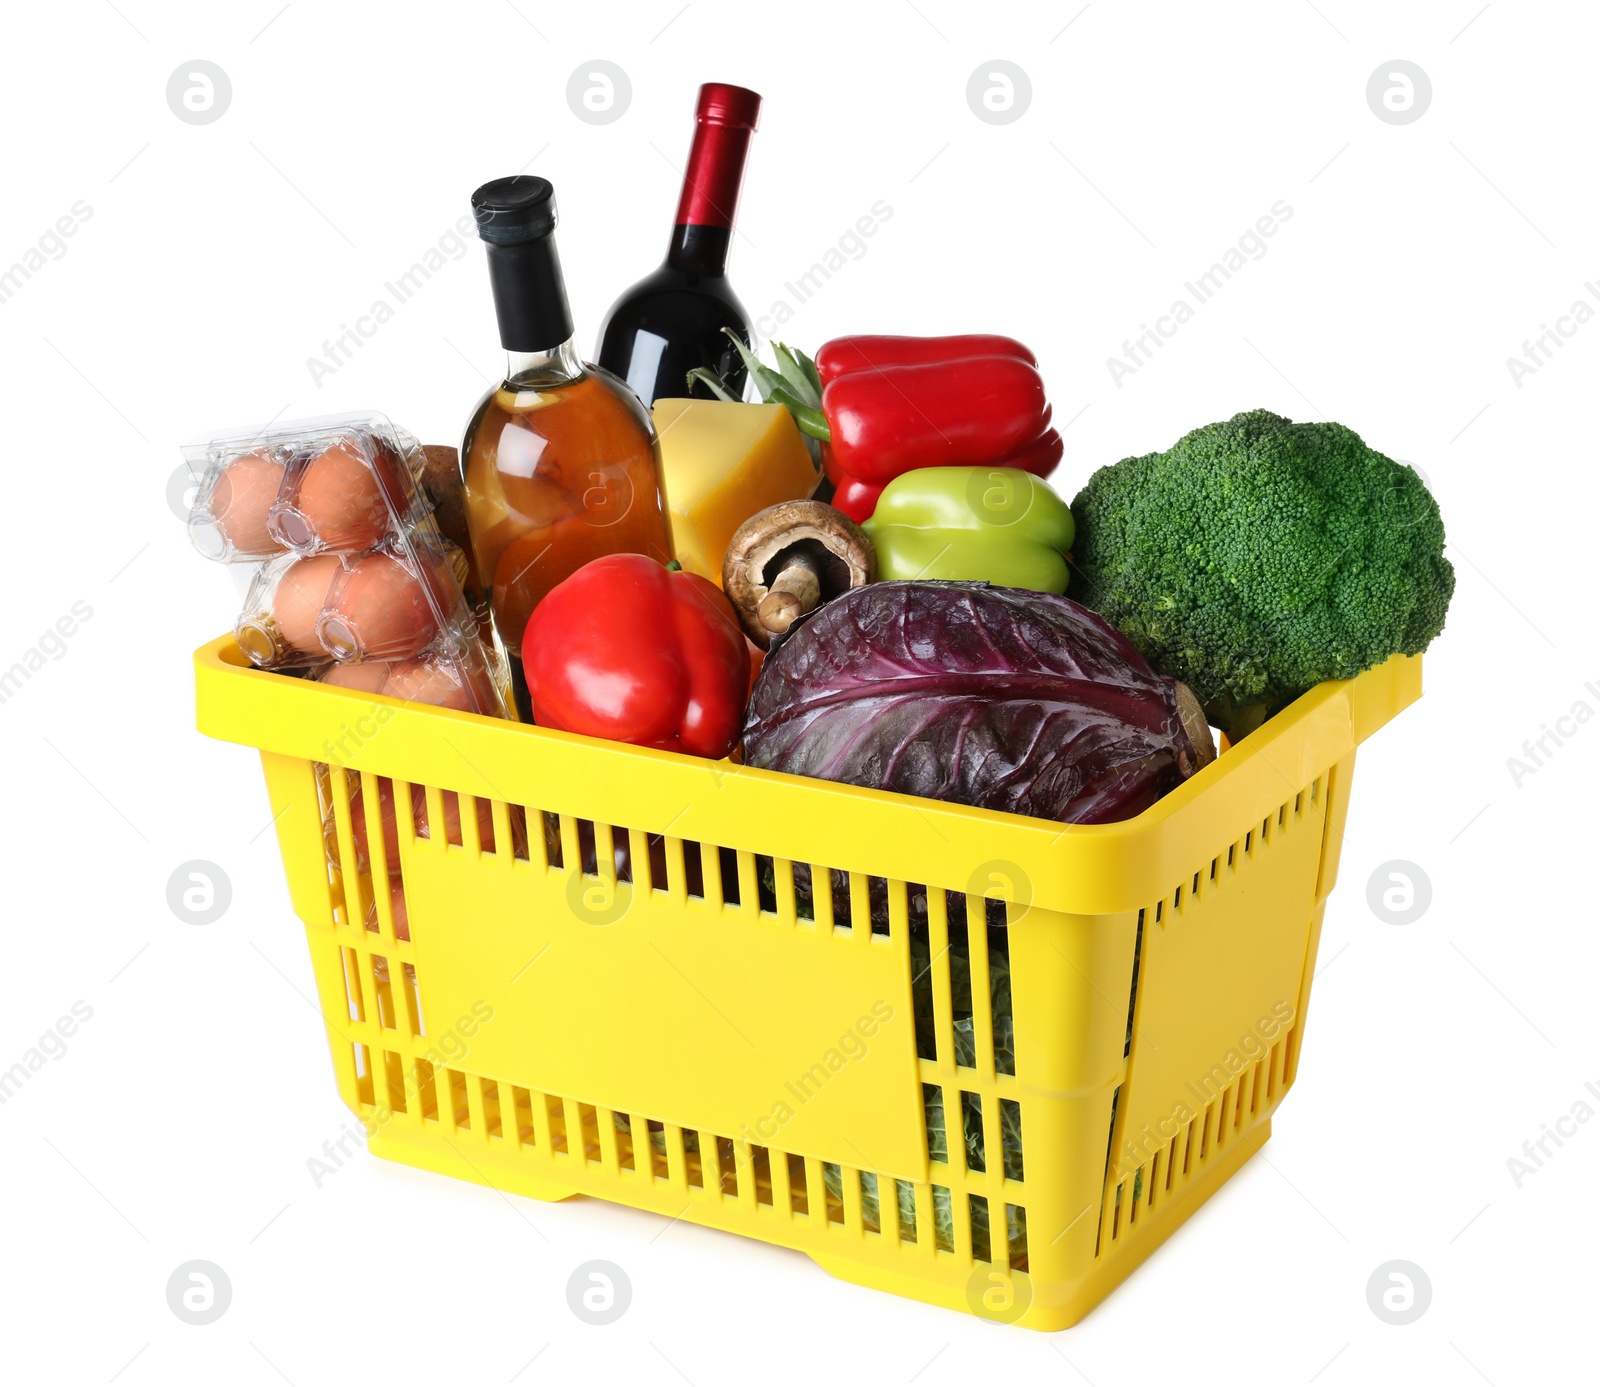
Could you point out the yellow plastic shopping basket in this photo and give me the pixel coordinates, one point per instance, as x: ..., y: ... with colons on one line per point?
x: 978, y: 1059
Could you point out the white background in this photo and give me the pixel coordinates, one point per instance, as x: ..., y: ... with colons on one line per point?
x: 218, y: 258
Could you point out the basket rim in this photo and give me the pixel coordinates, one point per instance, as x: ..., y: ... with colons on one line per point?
x: 237, y: 702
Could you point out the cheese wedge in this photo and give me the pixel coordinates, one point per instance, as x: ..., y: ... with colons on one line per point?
x: 720, y: 464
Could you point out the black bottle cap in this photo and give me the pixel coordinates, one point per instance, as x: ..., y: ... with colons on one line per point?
x: 516, y: 217
x: 516, y: 209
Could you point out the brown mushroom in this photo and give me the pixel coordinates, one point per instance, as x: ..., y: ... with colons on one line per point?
x: 789, y: 558
x: 441, y: 479
x: 1194, y: 723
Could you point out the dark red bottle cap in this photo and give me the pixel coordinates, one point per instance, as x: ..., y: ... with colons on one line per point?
x: 725, y: 116
x: 722, y: 104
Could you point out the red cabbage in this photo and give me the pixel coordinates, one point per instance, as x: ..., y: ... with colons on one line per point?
x: 996, y: 697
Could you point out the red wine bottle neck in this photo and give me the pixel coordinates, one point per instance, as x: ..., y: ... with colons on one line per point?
x: 699, y: 250
x: 710, y: 196
x: 711, y: 181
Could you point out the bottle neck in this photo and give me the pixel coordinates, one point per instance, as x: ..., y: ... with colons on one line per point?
x: 545, y: 370
x: 710, y: 197
x: 699, y: 249
x: 530, y: 297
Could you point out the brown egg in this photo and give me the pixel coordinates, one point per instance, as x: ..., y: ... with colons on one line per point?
x: 358, y: 828
x: 298, y: 600
x: 338, y: 502
x: 397, y: 908
x: 240, y: 499
x: 450, y: 803
x: 370, y: 677
x: 443, y: 683
x: 380, y: 610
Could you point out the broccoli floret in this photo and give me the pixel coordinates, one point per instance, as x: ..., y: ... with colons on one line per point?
x: 1258, y: 557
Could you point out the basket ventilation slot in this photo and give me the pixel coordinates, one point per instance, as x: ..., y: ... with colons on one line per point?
x: 1230, y: 1106
x: 960, y: 960
x: 1194, y: 1147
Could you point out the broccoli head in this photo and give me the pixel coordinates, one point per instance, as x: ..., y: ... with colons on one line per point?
x: 1258, y: 557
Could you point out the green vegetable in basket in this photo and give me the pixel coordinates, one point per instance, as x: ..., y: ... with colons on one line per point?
x: 1256, y: 558
x: 995, y: 525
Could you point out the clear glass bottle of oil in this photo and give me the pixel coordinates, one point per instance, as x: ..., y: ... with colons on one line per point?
x: 560, y: 460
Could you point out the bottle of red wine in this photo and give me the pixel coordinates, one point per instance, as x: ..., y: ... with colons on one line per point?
x: 672, y: 321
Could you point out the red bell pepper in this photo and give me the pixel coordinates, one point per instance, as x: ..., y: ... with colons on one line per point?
x: 881, y: 406
x: 628, y: 650
x: 1041, y: 456
x: 868, y: 352
x: 974, y: 411
x: 891, y: 404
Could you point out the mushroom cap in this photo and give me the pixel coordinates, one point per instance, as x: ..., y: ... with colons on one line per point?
x: 810, y: 533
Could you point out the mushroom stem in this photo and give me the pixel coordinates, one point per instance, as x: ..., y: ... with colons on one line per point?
x: 793, y: 593
x: 813, y: 553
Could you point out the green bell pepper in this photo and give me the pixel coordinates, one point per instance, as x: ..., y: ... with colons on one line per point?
x: 975, y: 524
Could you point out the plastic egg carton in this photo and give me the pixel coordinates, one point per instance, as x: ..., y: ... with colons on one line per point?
x: 353, y: 582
